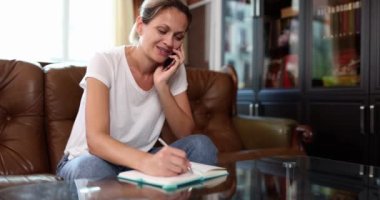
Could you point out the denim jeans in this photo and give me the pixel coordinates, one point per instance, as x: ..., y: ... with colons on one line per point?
x: 198, y: 148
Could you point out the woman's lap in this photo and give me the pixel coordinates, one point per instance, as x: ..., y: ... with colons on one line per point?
x: 198, y: 147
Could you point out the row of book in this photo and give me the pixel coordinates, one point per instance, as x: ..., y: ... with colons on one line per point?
x: 340, y: 20
x: 326, y: 10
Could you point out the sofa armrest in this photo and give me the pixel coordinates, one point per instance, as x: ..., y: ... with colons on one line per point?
x: 269, y: 132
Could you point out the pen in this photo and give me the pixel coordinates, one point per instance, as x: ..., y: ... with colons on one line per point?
x: 165, y: 144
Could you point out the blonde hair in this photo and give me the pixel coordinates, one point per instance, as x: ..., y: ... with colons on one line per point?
x: 150, y: 8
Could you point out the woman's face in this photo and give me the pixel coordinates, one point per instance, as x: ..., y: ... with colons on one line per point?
x: 163, y: 33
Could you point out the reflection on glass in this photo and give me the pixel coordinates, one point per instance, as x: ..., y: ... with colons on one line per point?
x: 238, y: 40
x: 324, y: 192
x: 281, y: 33
x: 336, y: 43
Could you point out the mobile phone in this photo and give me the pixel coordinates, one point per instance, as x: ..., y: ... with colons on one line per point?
x: 168, y: 62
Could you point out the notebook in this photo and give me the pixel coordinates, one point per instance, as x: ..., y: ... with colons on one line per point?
x: 201, y: 173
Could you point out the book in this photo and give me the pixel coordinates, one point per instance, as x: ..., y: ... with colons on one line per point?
x: 289, y: 12
x: 202, y: 173
x: 188, y: 188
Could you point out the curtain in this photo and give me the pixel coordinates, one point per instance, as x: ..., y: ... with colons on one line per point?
x: 124, y: 19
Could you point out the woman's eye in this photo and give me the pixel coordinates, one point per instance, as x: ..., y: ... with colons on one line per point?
x: 179, y: 38
x: 162, y: 32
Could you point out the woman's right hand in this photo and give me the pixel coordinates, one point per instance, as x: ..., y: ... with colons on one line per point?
x: 169, y: 161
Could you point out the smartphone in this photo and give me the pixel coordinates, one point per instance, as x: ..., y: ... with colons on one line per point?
x: 168, y: 62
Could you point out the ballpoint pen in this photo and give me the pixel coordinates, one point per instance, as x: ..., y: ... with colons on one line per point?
x: 165, y: 144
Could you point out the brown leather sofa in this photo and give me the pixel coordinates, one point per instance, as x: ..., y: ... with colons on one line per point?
x: 38, y: 106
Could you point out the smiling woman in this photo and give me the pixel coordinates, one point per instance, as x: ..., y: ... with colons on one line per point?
x: 61, y: 30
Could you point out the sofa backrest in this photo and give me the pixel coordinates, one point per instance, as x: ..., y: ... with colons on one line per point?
x: 211, y: 96
x: 62, y: 99
x: 22, y: 136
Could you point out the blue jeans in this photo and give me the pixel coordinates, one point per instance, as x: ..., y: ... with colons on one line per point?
x: 198, y: 148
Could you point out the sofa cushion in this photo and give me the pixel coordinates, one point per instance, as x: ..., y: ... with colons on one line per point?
x: 22, y: 138
x: 211, y: 96
x: 62, y: 99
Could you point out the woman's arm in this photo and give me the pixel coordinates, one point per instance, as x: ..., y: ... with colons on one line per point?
x: 176, y: 108
x: 167, y: 162
x: 177, y: 112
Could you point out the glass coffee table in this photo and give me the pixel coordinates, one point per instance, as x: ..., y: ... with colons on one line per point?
x: 306, y: 178
x: 292, y: 177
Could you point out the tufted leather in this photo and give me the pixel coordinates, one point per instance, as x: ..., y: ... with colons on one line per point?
x: 22, y: 137
x: 210, y: 95
x: 62, y: 98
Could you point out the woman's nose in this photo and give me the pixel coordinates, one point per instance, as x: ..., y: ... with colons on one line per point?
x: 169, y: 41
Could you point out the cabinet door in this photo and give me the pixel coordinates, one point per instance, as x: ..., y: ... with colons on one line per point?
x: 373, y: 177
x: 373, y: 194
x: 280, y: 43
x: 339, y: 40
x: 286, y: 104
x: 375, y: 47
x: 279, y: 40
x: 340, y: 128
x: 238, y: 47
x: 374, y: 130
x: 238, y: 40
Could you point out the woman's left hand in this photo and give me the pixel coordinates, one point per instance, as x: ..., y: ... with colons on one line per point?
x: 161, y: 75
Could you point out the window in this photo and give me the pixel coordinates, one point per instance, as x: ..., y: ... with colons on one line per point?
x: 56, y: 30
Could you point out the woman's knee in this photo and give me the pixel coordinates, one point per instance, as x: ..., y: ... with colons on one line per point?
x: 203, y: 143
x: 87, y: 166
x: 203, y: 149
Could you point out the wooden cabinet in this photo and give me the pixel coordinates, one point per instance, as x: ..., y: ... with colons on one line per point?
x: 338, y: 125
x: 261, y: 42
x: 342, y: 99
x: 317, y: 62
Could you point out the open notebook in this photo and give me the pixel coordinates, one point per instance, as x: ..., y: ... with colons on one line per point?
x: 201, y: 173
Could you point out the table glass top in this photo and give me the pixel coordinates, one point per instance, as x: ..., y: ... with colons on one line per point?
x: 304, y: 177
x: 286, y: 177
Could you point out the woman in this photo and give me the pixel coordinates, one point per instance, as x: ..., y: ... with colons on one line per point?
x: 127, y: 96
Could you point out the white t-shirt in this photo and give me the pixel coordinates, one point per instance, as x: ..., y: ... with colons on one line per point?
x: 136, y: 116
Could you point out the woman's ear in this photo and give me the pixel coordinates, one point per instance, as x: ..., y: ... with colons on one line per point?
x: 139, y: 25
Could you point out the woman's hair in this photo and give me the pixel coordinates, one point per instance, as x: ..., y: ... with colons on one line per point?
x: 150, y: 8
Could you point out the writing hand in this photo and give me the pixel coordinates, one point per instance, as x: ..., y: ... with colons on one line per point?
x: 169, y: 161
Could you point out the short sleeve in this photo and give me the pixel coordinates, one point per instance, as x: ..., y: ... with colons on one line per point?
x: 178, y: 82
x: 98, y: 67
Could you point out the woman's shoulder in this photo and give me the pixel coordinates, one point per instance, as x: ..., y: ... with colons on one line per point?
x: 112, y: 53
x: 110, y: 56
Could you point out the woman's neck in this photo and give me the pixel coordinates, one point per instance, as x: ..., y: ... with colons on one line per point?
x: 137, y: 62
x: 143, y: 76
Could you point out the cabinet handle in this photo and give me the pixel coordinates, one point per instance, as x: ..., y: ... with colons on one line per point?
x: 257, y: 109
x: 361, y: 170
x: 370, y: 174
x: 362, y: 131
x: 251, y: 109
x: 372, y: 118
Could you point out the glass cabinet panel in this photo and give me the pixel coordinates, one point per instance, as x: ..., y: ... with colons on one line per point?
x: 238, y: 36
x: 336, y: 52
x: 281, y: 44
